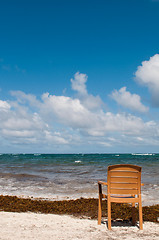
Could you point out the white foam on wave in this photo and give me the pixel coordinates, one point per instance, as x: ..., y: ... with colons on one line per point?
x: 143, y: 154
x: 78, y: 161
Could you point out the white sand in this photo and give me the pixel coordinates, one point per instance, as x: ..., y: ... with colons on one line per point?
x: 49, y: 226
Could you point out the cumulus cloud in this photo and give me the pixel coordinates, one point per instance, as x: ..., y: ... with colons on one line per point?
x: 65, y: 109
x: 63, y: 121
x: 63, y: 113
x: 71, y: 113
x: 23, y: 98
x: 148, y: 75
x: 88, y: 100
x: 128, y: 100
x: 4, y: 106
x: 79, y: 83
x: 19, y: 125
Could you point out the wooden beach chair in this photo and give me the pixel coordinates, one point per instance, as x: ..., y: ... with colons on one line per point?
x: 123, y: 186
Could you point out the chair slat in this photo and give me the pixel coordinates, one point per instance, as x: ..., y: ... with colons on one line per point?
x: 123, y: 191
x: 128, y: 174
x: 124, y: 166
x: 124, y: 179
x: 125, y: 200
x: 124, y: 169
x: 124, y: 185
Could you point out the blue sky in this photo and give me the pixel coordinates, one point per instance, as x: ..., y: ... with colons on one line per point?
x: 79, y: 76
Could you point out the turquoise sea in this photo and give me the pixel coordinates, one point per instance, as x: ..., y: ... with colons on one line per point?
x: 70, y: 176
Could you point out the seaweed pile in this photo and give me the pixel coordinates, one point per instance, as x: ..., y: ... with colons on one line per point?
x: 83, y: 208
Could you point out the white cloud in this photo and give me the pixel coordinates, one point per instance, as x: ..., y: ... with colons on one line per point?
x: 55, y: 138
x: 92, y: 102
x: 19, y: 125
x: 22, y: 97
x: 61, y: 121
x: 67, y: 110
x: 71, y: 113
x: 79, y: 83
x: 128, y: 100
x: 148, y: 75
x: 68, y: 113
x: 18, y: 133
x: 4, y: 106
x: 105, y: 144
x: 88, y: 100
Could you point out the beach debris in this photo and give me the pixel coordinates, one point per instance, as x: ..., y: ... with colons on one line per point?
x: 83, y: 207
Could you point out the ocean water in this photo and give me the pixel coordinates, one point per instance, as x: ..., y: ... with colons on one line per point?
x: 71, y: 176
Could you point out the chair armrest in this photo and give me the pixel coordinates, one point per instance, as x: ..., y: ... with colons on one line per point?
x: 103, y: 183
x: 100, y: 183
x: 142, y: 184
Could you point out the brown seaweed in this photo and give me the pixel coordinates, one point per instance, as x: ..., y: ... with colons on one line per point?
x: 83, y: 207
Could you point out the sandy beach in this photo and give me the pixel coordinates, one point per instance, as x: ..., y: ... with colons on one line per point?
x: 56, y: 197
x: 50, y: 226
x: 71, y: 219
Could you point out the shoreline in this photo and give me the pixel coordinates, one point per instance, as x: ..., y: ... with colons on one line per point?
x: 62, y: 197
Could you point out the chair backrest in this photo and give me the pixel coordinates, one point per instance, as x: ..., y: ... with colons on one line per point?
x: 124, y: 179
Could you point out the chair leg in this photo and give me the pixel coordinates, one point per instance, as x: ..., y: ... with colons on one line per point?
x: 133, y: 214
x: 99, y: 209
x: 109, y: 213
x: 140, y: 215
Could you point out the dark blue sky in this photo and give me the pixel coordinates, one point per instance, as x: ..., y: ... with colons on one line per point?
x: 52, y: 40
